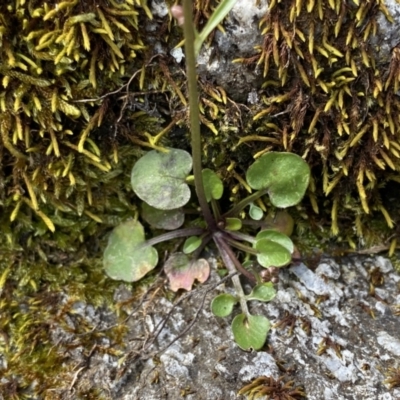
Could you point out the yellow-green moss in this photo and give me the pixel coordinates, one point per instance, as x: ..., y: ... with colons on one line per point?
x: 327, y: 97
x: 79, y: 81
x: 66, y: 147
x: 62, y: 66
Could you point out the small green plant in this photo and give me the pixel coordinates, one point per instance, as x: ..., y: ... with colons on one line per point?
x: 164, y: 182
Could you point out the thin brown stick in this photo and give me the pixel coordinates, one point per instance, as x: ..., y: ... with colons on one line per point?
x: 119, y: 89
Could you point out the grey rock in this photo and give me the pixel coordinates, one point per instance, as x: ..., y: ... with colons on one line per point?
x: 344, y: 355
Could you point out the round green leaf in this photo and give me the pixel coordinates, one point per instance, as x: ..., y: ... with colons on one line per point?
x: 277, y: 237
x: 262, y: 292
x: 159, y: 178
x: 191, y: 244
x: 285, y: 175
x: 213, y: 186
x: 255, y: 212
x: 250, y: 332
x: 233, y: 224
x: 222, y: 305
x: 125, y: 257
x: 272, y: 254
x: 163, y: 219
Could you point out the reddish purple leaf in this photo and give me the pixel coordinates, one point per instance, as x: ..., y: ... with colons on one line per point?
x: 182, y: 271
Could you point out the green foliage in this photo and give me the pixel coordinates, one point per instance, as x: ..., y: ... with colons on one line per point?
x: 275, y: 236
x: 161, y: 180
x: 255, y: 212
x: 285, y: 176
x: 126, y: 257
x: 250, y: 331
x: 213, y: 186
x: 262, y: 292
x: 233, y: 224
x: 272, y: 254
x: 191, y: 244
x: 163, y: 219
x: 222, y: 305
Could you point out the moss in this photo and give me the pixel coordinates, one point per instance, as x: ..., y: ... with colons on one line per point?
x: 63, y: 142
x: 336, y: 103
x: 272, y: 388
x: 61, y: 77
x: 67, y: 141
x: 55, y: 315
x: 84, y: 94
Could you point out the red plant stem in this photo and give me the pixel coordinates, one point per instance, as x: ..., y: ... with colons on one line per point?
x: 226, y: 252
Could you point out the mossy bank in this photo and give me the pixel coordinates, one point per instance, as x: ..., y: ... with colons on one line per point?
x: 88, y: 87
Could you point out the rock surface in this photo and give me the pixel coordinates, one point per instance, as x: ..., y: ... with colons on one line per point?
x: 242, y: 34
x: 332, y: 337
x: 335, y: 334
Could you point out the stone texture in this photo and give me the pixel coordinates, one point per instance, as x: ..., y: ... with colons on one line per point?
x: 242, y: 34
x: 352, y: 341
x: 332, y: 335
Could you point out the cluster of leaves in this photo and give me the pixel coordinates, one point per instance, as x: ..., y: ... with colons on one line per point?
x: 161, y: 181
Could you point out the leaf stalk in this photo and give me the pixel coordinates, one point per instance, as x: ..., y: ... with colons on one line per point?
x: 245, y: 202
x: 224, y: 251
x: 185, y: 232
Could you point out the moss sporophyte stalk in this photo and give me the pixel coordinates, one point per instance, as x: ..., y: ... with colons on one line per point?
x: 160, y: 180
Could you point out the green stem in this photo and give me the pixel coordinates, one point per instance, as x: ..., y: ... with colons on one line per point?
x: 241, y: 246
x: 215, y: 210
x: 223, y: 249
x: 185, y: 232
x: 188, y: 29
x: 242, y: 236
x: 245, y: 202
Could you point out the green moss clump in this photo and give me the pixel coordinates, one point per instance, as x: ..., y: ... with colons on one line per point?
x: 74, y: 110
x: 64, y: 142
x: 328, y: 97
x: 84, y: 93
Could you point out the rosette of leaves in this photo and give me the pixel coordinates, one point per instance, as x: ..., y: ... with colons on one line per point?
x: 162, y: 181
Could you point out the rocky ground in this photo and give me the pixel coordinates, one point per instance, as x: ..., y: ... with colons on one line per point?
x: 335, y: 336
